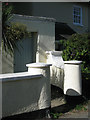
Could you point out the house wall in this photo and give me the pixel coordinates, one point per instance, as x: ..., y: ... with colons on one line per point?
x: 61, y: 11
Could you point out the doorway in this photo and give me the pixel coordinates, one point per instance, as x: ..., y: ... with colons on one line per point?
x: 25, y: 53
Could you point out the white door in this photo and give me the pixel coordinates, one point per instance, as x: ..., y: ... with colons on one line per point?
x: 24, y: 54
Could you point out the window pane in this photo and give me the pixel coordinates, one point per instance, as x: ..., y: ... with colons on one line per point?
x: 79, y: 12
x: 77, y: 15
x: 79, y: 20
x: 76, y: 19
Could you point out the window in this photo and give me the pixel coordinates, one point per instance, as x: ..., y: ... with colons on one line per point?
x: 77, y: 15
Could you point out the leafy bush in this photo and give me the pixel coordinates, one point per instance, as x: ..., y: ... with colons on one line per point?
x: 14, y: 33
x: 77, y: 47
x: 11, y: 32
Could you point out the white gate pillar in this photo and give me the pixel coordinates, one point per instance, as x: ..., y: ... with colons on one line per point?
x: 45, y: 95
x: 72, y: 79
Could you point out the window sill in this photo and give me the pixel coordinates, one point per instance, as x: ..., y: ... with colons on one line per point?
x: 78, y: 24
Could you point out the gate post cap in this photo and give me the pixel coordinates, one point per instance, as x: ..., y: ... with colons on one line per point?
x: 38, y: 65
x: 72, y: 62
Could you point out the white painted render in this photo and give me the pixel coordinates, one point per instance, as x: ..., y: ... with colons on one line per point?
x: 45, y: 28
x: 57, y: 68
x: 7, y: 63
x: 72, y: 78
x: 25, y: 92
x: 65, y: 74
x: 44, y: 69
x: 57, y: 76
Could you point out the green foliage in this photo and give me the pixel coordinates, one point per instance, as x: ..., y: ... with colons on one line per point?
x: 80, y: 107
x: 77, y: 47
x: 14, y: 32
x: 56, y: 115
x: 11, y: 32
x: 6, y: 14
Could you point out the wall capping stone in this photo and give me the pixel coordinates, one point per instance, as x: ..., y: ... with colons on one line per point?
x: 34, y: 18
x: 18, y: 76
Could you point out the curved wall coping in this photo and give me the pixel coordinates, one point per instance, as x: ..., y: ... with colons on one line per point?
x: 48, y: 52
x: 17, y: 76
x: 72, y: 62
x: 56, y: 53
x: 38, y: 65
x: 34, y: 18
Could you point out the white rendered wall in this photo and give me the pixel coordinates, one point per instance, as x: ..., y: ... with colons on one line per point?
x: 44, y: 69
x: 57, y: 68
x: 24, y: 95
x: 57, y: 77
x: 72, y: 78
x: 7, y: 63
x: 25, y: 92
x: 45, y: 29
x: 20, y: 96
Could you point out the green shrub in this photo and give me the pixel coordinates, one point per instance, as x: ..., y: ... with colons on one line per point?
x: 11, y: 32
x: 14, y: 33
x: 77, y: 47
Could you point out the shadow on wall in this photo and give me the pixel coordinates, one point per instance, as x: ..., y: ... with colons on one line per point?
x: 72, y: 92
x: 56, y: 92
x: 39, y: 114
x: 7, y: 63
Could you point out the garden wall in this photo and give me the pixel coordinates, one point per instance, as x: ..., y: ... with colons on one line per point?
x: 25, y: 92
x: 57, y: 68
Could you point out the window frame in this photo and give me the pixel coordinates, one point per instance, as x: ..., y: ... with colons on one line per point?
x: 77, y: 23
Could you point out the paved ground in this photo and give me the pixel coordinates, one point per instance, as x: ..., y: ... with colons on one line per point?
x: 80, y: 114
x: 58, y: 105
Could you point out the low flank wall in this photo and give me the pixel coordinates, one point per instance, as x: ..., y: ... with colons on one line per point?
x: 57, y: 77
x: 57, y: 68
x: 24, y: 92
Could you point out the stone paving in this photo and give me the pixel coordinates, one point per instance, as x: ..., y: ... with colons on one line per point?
x: 58, y: 105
